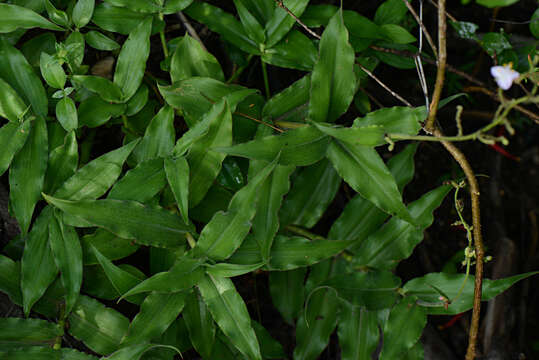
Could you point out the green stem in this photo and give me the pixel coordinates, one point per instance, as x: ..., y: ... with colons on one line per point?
x: 305, y: 233
x: 239, y: 71
x: 266, y: 81
x: 163, y: 40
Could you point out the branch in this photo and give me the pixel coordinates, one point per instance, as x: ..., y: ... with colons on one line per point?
x: 283, y: 6
x: 423, y: 28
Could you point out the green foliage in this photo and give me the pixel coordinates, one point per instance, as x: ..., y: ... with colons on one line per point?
x: 163, y: 160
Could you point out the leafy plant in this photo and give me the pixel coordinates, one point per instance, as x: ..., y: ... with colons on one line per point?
x: 189, y: 192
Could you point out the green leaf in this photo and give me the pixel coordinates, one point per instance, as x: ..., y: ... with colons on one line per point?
x: 425, y: 288
x: 226, y: 231
x: 27, y: 332
x: 390, y: 12
x: 17, y: 72
x: 287, y: 292
x: 363, y: 169
x: 177, y: 173
x: 98, y: 327
x: 291, y: 253
x: 66, y: 113
x: 94, y: 111
x: 58, y: 16
x: 191, y: 59
x: 333, y: 81
x: 128, y: 219
x: 108, y: 244
x: 495, y: 43
x: 204, y: 162
x: 363, y: 32
x: 200, y: 324
x: 63, y: 162
x: 312, y: 192
x: 13, y: 136
x: 105, y: 88
x: 138, y: 101
x: 465, y: 30
x: 185, y: 273
x: 196, y: 96
x: 10, y: 274
x: 141, y: 183
x: 397, y: 120
x: 281, y: 22
x: 270, y: 348
x: 295, y: 51
x: 159, y: 136
x: 396, y: 239
x: 82, y: 12
x: 231, y: 270
x: 229, y: 311
x: 374, y: 289
x: 52, y: 71
x: 403, y: 328
x: 96, y: 177
x: 46, y: 353
x: 173, y: 6
x: 74, y: 45
x: 142, y: 6
x: 496, y: 3
x: 67, y: 251
x: 131, y: 62
x: 252, y: 27
x: 357, y: 331
x: 116, y: 19
x: 103, y: 284
x: 37, y: 255
x: 135, y: 352
x: 13, y: 17
x: 371, y: 135
x: 11, y: 105
x: 156, y: 314
x: 534, y: 24
x: 316, y: 324
x: 223, y: 23
x: 301, y: 147
x: 100, y: 42
x: 292, y: 100
x: 398, y: 34
x: 27, y: 174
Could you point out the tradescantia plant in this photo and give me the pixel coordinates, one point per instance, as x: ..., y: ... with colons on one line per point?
x: 205, y: 180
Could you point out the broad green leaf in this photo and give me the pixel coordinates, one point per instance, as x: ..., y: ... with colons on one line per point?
x: 396, y: 239
x: 27, y: 174
x: 301, y: 147
x: 67, y: 252
x: 100, y: 42
x: 231, y: 270
x: 105, y: 88
x: 74, y: 45
x: 94, y: 111
x: 402, y: 165
x: 116, y: 19
x: 13, y: 17
x: 173, y: 6
x: 177, y: 174
x: 11, y: 105
x: 261, y: 9
x: 17, y: 72
x: 97, y: 326
x: 200, y: 324
x: 292, y: 100
x: 96, y: 177
x: 82, y: 12
x: 142, y: 6
x: 52, y: 71
x: 425, y: 288
x: 495, y: 43
x: 230, y: 313
x: 198, y: 130
x: 46, y: 353
x: 131, y: 62
x: 223, y: 23
x: 318, y: 15
x: 37, y: 255
x: 58, y: 16
x: 371, y: 135
x: 196, y: 96
x: 281, y: 22
x: 417, y: 352
x: 358, y: 332
x: 390, y: 12
x: 312, y: 192
x: 496, y: 3
x: 269, y: 347
x: 252, y: 27
x: 397, y: 120
x: 10, y: 274
x: 63, y: 162
x: 395, y: 60
x: 182, y: 275
x: 156, y: 314
x: 364, y: 170
x: 159, y: 137
x: 287, y: 292
x: 141, y: 183
x: 291, y: 253
x: 374, y: 289
x: 136, y: 351
x: 146, y: 225
x: 27, y: 332
x: 295, y: 51
x: 66, y: 113
x: 190, y: 59
x: 204, y: 162
x: 333, y: 81
x: 534, y: 24
x: 138, y: 101
x: 403, y: 328
x: 226, y: 231
x: 13, y: 136
x: 316, y: 324
x: 108, y: 244
x: 120, y: 279
x: 398, y: 34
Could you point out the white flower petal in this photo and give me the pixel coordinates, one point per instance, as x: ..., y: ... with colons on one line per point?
x: 504, y: 76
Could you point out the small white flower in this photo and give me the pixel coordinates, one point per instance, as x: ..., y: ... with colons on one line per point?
x: 504, y: 75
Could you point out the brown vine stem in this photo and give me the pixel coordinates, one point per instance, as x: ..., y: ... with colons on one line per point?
x: 283, y: 6
x: 440, y: 74
x: 371, y: 75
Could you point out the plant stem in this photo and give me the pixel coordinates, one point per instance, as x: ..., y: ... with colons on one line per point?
x: 239, y: 71
x: 266, y: 81
x: 163, y: 39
